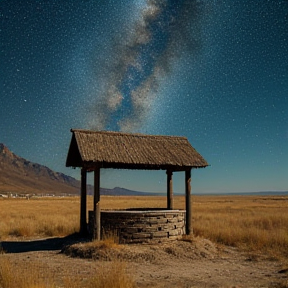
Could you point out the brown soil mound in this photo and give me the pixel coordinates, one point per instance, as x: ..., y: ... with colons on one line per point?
x: 155, y: 253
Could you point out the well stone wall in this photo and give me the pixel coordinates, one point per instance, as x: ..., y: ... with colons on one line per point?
x: 142, y: 226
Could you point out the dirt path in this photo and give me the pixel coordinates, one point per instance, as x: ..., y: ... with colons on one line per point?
x: 173, y: 264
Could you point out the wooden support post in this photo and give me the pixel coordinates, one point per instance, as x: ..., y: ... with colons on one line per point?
x: 96, y: 206
x: 83, y: 203
x: 188, y: 202
x: 169, y: 190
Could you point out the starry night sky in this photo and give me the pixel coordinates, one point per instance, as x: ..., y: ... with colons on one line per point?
x: 213, y: 71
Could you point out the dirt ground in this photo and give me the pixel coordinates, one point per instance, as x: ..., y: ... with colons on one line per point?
x: 198, y: 263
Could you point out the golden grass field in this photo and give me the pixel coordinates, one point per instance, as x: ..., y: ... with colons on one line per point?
x: 251, y: 223
x: 248, y: 222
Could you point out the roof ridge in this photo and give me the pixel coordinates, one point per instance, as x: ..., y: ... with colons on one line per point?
x: 127, y: 134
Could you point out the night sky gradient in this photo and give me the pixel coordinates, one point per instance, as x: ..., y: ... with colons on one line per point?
x: 213, y: 71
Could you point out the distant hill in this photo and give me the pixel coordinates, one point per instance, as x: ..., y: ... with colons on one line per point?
x: 126, y: 192
x: 259, y: 193
x: 18, y: 175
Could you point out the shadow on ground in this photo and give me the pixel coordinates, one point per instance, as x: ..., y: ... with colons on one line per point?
x: 55, y: 243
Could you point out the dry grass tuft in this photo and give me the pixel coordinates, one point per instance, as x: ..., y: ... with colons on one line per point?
x: 33, y: 276
x: 28, y: 276
x: 106, y: 249
x: 115, y: 276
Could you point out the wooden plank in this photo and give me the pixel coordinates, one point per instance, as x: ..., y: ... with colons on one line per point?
x: 96, y: 205
x: 83, y: 203
x: 169, y: 189
x: 188, y: 202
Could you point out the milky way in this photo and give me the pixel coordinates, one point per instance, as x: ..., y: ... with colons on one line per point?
x: 213, y: 71
x: 142, y: 58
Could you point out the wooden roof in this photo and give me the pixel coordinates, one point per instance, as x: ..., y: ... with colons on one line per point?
x: 104, y: 149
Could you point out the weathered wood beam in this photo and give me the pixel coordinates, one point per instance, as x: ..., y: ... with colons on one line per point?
x: 169, y: 190
x: 96, y: 205
x: 83, y: 203
x: 188, y: 202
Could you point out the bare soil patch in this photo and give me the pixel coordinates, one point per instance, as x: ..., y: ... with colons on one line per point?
x: 195, y: 263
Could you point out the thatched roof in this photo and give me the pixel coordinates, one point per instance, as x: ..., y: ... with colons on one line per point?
x: 131, y: 151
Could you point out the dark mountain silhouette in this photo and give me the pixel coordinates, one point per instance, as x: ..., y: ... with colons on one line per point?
x: 18, y: 175
x: 126, y: 192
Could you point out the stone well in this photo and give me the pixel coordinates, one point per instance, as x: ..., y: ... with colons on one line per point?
x: 142, y: 226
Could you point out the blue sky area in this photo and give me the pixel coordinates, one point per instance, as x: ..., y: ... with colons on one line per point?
x: 213, y: 71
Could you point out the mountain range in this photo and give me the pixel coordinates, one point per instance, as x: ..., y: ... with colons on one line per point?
x: 20, y: 176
